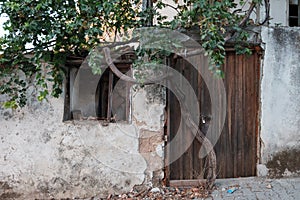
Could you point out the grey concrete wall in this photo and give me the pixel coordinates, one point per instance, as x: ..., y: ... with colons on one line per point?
x: 280, y: 101
x: 278, y: 12
x: 43, y: 157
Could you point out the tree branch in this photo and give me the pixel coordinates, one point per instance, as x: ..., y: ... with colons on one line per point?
x: 124, y: 77
x: 172, y: 7
x: 48, y: 44
x: 246, y: 17
x: 267, y: 10
x: 242, y: 22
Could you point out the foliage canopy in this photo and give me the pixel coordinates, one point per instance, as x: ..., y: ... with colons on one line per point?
x: 41, y: 34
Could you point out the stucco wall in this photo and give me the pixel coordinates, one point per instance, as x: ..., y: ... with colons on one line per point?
x: 278, y: 12
x: 43, y: 157
x: 280, y: 101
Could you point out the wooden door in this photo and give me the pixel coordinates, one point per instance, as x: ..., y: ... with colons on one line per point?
x: 236, y: 148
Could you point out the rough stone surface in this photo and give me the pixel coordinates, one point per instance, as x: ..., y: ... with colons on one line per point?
x: 280, y: 101
x: 257, y: 188
x: 262, y: 170
x: 149, y: 117
x: 252, y: 188
x: 43, y: 157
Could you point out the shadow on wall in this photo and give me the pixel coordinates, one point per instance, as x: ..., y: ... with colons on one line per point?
x: 8, y: 192
x: 285, y: 163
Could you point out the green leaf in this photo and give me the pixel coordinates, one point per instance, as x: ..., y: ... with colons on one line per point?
x: 10, y: 104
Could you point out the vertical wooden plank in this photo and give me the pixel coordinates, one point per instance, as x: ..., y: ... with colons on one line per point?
x: 198, y: 163
x: 167, y: 135
x: 189, y: 75
x: 236, y: 114
x: 185, y: 133
x: 225, y: 132
x: 228, y: 130
x: 166, y: 180
x: 173, y: 127
x: 232, y: 110
x: 220, y: 147
x: 252, y: 132
x: 247, y: 112
x: 256, y: 108
x: 199, y: 86
x: 250, y: 111
x: 175, y: 118
x: 110, y: 88
x: 180, y: 68
x: 252, y: 117
x: 243, y: 148
x: 239, y: 121
x: 205, y: 107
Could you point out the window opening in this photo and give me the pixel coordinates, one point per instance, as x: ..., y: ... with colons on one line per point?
x: 294, y: 10
x: 113, y: 95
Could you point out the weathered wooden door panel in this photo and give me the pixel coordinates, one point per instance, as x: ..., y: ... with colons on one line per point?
x: 186, y: 167
x: 236, y: 148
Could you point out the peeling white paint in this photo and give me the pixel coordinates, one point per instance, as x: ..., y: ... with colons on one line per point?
x: 280, y: 91
x: 147, y: 114
x: 43, y: 157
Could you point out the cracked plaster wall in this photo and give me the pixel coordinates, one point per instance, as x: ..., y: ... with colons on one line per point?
x: 43, y: 157
x: 280, y: 102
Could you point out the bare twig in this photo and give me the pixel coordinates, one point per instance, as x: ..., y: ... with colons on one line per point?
x: 267, y: 10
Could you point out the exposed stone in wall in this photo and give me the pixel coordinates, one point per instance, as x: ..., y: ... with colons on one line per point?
x: 149, y: 115
x: 280, y: 100
x: 151, y: 145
